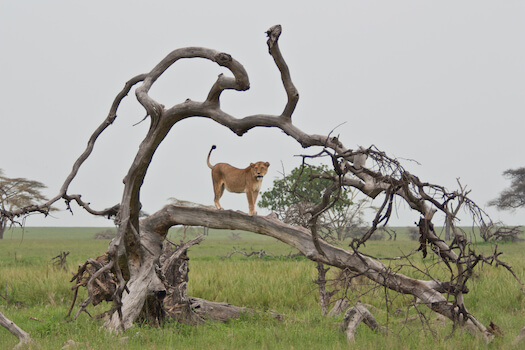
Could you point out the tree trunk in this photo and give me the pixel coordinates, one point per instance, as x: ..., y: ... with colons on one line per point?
x: 143, y: 282
x: 175, y: 303
x: 3, y: 226
x: 324, y: 295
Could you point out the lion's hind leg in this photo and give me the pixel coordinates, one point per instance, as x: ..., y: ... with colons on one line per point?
x: 219, y: 191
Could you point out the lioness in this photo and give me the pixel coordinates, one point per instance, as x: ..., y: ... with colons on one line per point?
x: 236, y: 180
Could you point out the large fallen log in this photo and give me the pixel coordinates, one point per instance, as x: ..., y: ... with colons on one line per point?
x: 432, y: 292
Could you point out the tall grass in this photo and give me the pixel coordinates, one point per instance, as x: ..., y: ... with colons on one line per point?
x: 36, y: 295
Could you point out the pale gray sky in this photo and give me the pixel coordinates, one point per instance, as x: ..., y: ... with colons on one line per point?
x: 440, y: 82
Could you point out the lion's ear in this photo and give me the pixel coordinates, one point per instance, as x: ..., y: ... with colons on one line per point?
x: 252, y: 165
x: 267, y: 164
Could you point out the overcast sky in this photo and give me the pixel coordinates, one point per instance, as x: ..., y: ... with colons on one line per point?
x: 439, y: 82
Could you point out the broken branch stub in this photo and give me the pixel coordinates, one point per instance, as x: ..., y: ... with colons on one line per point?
x: 354, y: 316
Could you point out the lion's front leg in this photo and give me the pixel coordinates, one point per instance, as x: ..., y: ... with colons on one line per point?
x: 252, y: 197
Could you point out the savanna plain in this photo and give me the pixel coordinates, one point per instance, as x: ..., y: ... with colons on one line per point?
x: 36, y: 294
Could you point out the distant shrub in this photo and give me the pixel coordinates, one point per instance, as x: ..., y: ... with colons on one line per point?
x: 357, y: 232
x: 106, y: 234
x: 413, y: 233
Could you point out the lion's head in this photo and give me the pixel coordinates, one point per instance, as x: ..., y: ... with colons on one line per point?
x: 259, y: 169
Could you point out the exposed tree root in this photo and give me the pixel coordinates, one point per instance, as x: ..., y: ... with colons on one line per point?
x: 174, y: 303
x: 102, y: 289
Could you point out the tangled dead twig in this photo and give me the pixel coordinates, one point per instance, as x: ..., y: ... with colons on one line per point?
x: 103, y: 287
x: 59, y: 261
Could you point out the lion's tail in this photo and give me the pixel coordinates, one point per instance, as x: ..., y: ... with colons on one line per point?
x: 209, y: 154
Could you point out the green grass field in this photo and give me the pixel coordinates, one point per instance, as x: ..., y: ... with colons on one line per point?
x: 36, y: 295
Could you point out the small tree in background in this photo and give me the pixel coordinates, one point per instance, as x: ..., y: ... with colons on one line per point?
x: 293, y: 197
x: 514, y: 196
x: 18, y: 193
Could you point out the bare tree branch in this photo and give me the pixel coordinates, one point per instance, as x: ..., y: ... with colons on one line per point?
x: 429, y: 292
x: 18, y: 332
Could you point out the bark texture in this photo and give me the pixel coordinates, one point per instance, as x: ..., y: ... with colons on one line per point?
x: 174, y: 303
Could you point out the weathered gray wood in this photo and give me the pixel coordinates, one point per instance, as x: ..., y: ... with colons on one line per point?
x: 18, y: 332
x: 340, y: 306
x: 354, y: 316
x: 429, y: 292
x: 209, y: 310
x: 143, y: 281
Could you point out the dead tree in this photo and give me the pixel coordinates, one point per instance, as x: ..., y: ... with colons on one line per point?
x: 138, y: 244
x: 324, y: 294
